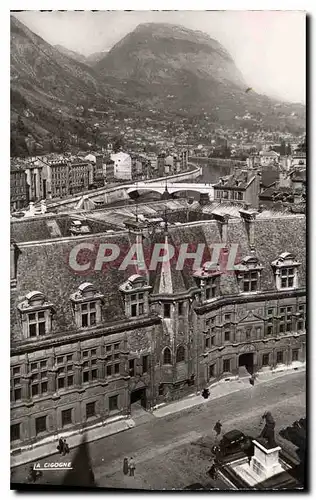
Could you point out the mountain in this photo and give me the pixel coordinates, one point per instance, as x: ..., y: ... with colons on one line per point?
x: 96, y: 57
x: 90, y: 60
x: 174, y: 72
x: 71, y: 53
x: 172, y: 67
x: 48, y: 87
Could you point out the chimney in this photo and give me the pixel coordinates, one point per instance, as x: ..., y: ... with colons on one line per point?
x: 249, y: 217
x: 222, y: 220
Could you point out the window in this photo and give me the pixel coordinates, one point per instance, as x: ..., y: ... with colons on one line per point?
x: 287, y: 277
x: 65, y: 374
x: 89, y: 370
x: 90, y: 410
x: 87, y: 305
x: 227, y: 317
x: 88, y: 314
x: 145, y: 364
x: 66, y: 417
x: 39, y: 378
x: 269, y: 329
x: 279, y: 357
x: 14, y: 432
x: 135, y: 302
x: 180, y: 354
x: 265, y: 359
x: 131, y: 366
x: 270, y: 312
x: 294, y: 354
x: 227, y: 336
x: 180, y: 308
x: 285, y: 320
x: 211, y: 371
x: 113, y: 403
x: 16, y: 385
x: 167, y: 356
x: 286, y: 271
x: 36, y: 324
x: 117, y: 368
x: 301, y: 319
x: 40, y: 424
x: 166, y: 310
x: 36, y: 315
x: 250, y: 281
x: 211, y: 288
x: 213, y: 340
x: 226, y: 365
x: 207, y: 342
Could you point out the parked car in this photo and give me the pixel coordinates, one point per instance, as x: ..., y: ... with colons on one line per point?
x: 232, y: 442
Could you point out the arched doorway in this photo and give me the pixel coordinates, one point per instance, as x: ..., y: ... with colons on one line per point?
x: 246, y: 361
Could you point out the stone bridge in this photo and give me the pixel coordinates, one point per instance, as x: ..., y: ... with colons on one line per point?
x: 171, y: 187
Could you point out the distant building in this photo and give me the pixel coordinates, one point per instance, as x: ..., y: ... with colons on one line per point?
x: 299, y: 158
x: 242, y: 186
x: 19, y: 189
x: 122, y: 166
x: 161, y: 159
x: 268, y: 157
x: 109, y: 171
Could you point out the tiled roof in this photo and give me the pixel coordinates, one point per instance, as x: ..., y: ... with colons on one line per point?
x: 45, y: 267
x: 50, y: 227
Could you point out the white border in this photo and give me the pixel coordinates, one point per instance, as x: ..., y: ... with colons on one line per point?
x: 307, y: 5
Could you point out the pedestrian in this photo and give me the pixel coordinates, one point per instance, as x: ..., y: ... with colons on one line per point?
x: 125, y: 466
x: 65, y: 447
x: 205, y: 393
x: 32, y: 474
x: 212, y: 471
x: 218, y: 427
x: 60, y: 446
x: 132, y: 467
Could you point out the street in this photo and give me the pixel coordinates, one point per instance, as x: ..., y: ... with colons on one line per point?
x: 174, y: 451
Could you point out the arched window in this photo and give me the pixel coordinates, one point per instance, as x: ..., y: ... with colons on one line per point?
x: 180, y: 354
x: 167, y: 356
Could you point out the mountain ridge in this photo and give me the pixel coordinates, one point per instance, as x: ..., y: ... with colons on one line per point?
x: 177, y: 71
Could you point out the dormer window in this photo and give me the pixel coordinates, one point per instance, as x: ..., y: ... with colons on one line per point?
x: 135, y: 292
x: 36, y: 314
x: 248, y: 273
x: 208, y: 279
x: 87, y: 305
x: 286, y: 271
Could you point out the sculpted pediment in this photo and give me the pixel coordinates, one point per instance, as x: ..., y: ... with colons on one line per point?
x: 251, y: 317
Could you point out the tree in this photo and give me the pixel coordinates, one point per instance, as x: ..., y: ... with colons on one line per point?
x: 117, y: 143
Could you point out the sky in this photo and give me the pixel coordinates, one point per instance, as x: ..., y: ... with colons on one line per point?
x: 268, y: 47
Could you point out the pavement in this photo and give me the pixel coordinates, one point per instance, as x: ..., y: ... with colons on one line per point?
x: 120, y: 424
x: 174, y: 451
x: 221, y: 389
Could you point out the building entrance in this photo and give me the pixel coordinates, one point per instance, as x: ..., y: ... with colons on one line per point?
x: 246, y: 361
x: 138, y: 398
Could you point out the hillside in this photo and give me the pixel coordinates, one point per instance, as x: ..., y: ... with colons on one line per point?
x: 48, y: 87
x: 170, y: 70
x: 71, y: 53
x: 173, y: 67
